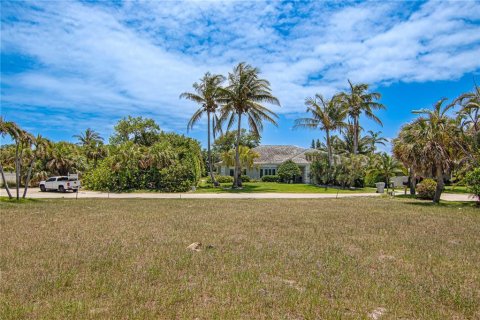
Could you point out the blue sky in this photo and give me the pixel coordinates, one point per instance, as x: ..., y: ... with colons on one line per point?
x: 69, y: 65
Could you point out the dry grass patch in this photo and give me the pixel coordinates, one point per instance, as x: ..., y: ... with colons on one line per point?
x: 283, y: 259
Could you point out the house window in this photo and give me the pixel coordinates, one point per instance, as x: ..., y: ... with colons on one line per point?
x: 231, y: 172
x: 267, y: 172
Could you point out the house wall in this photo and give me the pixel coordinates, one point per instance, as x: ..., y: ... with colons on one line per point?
x: 254, y: 173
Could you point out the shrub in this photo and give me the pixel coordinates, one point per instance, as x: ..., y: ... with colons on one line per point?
x: 288, y: 171
x: 221, y: 179
x: 270, y: 179
x: 373, y: 177
x: 245, y: 178
x: 426, y: 189
x: 173, y: 164
x: 472, y: 180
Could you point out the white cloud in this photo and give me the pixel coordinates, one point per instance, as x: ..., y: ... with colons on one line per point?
x: 136, y: 58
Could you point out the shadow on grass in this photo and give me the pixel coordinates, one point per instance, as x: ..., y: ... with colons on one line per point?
x: 429, y: 203
x: 247, y: 188
x: 21, y: 200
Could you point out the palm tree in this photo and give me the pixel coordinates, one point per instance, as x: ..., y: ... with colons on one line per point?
x: 247, y: 157
x: 437, y: 134
x: 325, y: 115
x: 375, y: 138
x: 407, y: 149
x: 22, y: 139
x: 40, y: 144
x: 207, y: 94
x: 387, y: 166
x: 244, y: 96
x: 345, y: 143
x: 6, y: 128
x: 89, y: 137
x: 470, y: 111
x: 359, y: 101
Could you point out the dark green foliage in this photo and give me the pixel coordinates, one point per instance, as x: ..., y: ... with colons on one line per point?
x: 271, y: 178
x: 221, y: 179
x: 472, y: 180
x: 426, y: 189
x: 139, y: 130
x: 173, y: 164
x: 373, y: 177
x: 245, y: 178
x: 320, y: 170
x: 288, y: 171
x: 226, y: 141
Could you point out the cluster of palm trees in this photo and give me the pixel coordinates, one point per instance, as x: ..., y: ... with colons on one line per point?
x: 240, y: 99
x: 342, y: 113
x: 441, y: 140
x: 27, y: 149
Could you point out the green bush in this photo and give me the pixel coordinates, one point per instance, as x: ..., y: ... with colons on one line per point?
x: 288, y: 171
x: 472, y: 180
x: 173, y: 164
x: 426, y: 189
x: 373, y: 177
x: 245, y: 178
x: 270, y: 179
x: 221, y: 179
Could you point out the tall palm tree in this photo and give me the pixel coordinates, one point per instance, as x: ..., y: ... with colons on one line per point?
x: 207, y: 93
x: 358, y: 101
x: 375, y: 138
x: 438, y: 133
x: 40, y: 144
x: 89, y: 137
x: 325, y: 115
x: 244, y: 96
x: 22, y: 140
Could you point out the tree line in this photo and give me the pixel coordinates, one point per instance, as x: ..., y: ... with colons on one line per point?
x: 138, y: 156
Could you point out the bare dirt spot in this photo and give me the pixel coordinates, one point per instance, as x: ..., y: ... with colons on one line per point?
x: 377, y: 313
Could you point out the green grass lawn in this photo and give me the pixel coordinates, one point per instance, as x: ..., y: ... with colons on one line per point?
x: 455, y: 189
x: 269, y: 259
x: 259, y: 187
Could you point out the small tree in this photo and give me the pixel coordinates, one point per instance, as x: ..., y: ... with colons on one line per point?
x: 288, y: 171
x: 472, y: 180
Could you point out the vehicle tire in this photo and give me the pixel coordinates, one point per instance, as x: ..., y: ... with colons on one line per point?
x: 42, y: 188
x: 61, y: 189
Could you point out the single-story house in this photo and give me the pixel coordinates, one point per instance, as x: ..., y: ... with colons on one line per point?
x: 270, y: 158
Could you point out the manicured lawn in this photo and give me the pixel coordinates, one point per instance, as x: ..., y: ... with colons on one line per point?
x: 252, y: 187
x: 455, y: 189
x: 270, y: 259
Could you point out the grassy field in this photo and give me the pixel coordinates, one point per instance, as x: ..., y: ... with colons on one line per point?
x: 259, y: 187
x: 280, y: 259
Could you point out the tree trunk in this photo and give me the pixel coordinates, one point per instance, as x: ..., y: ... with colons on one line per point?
x: 27, y: 180
x: 210, y: 164
x: 329, y: 148
x: 17, y: 171
x: 237, y: 179
x: 412, y: 182
x: 438, y: 191
x: 355, y: 135
x: 5, y: 182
